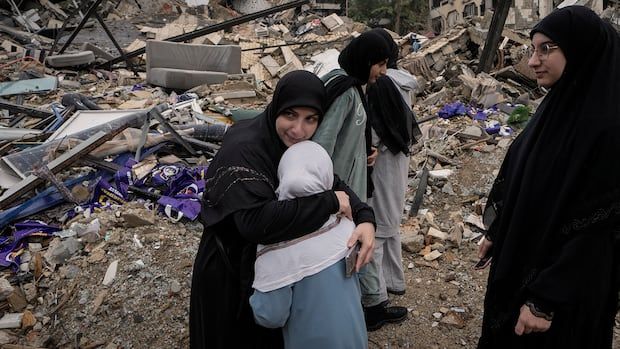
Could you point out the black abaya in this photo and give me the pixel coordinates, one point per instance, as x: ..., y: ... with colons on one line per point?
x: 556, y: 200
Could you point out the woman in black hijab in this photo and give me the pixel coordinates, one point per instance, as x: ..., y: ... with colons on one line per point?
x: 240, y: 209
x: 554, y: 210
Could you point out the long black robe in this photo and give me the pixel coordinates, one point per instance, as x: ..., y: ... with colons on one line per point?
x: 554, y: 209
x: 240, y: 209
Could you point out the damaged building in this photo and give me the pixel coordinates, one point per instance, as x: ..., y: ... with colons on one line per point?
x: 523, y: 14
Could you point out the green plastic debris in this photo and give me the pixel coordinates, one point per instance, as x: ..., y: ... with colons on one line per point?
x: 519, y: 116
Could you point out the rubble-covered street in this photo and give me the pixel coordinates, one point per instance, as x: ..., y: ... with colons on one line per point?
x: 106, y: 132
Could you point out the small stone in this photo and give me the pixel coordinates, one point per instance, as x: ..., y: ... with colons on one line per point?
x: 435, y: 324
x: 114, y: 237
x: 410, y: 265
x: 175, y: 287
x: 5, y: 288
x: 30, y: 291
x: 444, y: 310
x: 432, y: 256
x: 69, y: 271
x: 133, y: 219
x: 438, y: 234
x: 453, y: 319
x: 96, y: 256
x: 437, y: 315
x: 438, y: 247
x: 83, y: 297
x: 412, y: 243
x: 137, y: 318
x: 110, y: 274
x: 28, y: 319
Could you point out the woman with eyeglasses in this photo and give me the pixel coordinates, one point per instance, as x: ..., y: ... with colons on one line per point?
x: 553, y: 214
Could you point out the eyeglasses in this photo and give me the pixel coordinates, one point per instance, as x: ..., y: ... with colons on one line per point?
x: 542, y: 51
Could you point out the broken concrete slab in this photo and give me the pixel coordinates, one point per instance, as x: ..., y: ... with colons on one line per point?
x: 332, y: 21
x: 324, y: 62
x: 270, y: 64
x: 97, y: 51
x: 289, y: 57
x: 78, y: 59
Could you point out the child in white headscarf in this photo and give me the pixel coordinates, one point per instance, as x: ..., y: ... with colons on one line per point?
x: 300, y: 284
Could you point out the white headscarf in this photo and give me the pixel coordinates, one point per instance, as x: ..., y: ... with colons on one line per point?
x: 304, y: 169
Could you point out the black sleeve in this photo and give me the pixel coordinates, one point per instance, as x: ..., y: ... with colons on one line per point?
x: 362, y: 213
x: 583, y: 263
x: 284, y: 220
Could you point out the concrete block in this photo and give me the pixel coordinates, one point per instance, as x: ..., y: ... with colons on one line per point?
x: 71, y: 59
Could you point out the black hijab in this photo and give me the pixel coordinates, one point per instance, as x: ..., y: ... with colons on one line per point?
x: 561, y: 176
x: 243, y: 174
x: 392, y: 120
x: 392, y: 47
x: 356, y: 59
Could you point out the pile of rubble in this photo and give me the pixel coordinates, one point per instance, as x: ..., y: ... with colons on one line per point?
x: 102, y: 157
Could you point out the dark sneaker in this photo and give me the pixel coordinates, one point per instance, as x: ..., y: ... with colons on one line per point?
x: 380, y: 314
x: 396, y: 292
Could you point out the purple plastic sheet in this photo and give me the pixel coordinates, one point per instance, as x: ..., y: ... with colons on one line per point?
x: 105, y: 194
x: 452, y: 109
x: 180, y: 188
x: 10, y: 247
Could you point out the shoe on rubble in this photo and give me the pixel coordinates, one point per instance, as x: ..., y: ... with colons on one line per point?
x: 380, y: 314
x: 396, y: 292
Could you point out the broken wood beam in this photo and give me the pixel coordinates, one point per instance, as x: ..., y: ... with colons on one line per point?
x: 419, y: 194
x: 495, y: 33
x: 56, y: 165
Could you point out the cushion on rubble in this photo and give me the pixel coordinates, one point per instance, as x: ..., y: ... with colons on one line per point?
x: 71, y: 59
x: 184, y: 78
x: 183, y: 66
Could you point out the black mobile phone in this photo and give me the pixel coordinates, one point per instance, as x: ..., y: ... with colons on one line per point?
x: 350, y: 259
x: 483, y: 262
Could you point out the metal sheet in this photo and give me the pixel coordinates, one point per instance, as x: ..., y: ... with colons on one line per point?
x: 85, y: 119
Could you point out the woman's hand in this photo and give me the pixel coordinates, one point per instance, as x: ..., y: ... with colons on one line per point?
x: 485, y: 246
x: 365, y: 234
x: 529, y: 323
x: 344, y: 206
x: 372, y: 158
